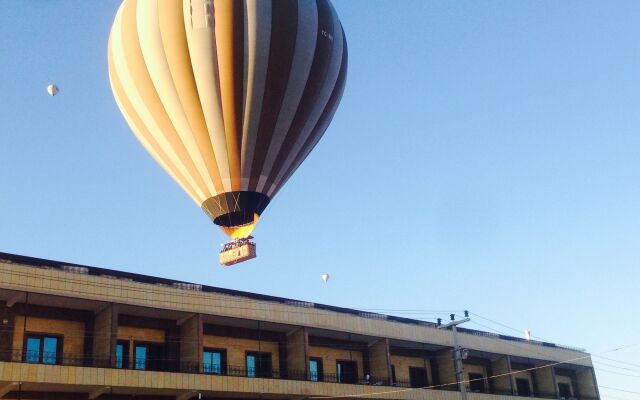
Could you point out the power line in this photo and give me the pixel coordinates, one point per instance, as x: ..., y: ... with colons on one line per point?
x: 477, y: 379
x: 618, y: 361
x: 618, y: 390
x: 616, y: 366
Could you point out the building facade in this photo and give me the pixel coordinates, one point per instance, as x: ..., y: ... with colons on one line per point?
x: 76, y: 332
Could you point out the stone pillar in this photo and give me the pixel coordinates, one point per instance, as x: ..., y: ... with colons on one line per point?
x: 545, y: 381
x: 298, y: 354
x: 7, y: 323
x: 105, y: 337
x: 191, y: 342
x: 446, y: 369
x: 587, y: 384
x: 380, y: 361
x: 502, y: 384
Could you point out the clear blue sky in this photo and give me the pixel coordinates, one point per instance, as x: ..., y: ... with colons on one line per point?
x: 485, y: 156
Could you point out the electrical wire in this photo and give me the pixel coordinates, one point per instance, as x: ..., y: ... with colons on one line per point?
x: 320, y: 311
x: 618, y: 361
x: 615, y: 366
x: 473, y: 380
x: 618, y: 390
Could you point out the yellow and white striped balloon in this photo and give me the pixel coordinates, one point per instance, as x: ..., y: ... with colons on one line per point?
x: 228, y: 96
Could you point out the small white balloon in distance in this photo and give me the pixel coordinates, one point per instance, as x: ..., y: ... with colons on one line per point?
x: 52, y: 90
x: 325, y: 277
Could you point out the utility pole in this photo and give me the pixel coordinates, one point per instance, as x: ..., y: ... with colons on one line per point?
x: 457, y: 350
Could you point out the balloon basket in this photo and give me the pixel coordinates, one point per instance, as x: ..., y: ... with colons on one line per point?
x: 237, y: 251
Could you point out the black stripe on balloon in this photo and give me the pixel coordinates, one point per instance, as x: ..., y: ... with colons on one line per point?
x: 311, y: 93
x: 238, y: 66
x: 284, y: 27
x: 325, y: 118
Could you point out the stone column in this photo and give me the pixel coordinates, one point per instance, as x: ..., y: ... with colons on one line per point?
x: 191, y: 342
x: 105, y: 337
x: 298, y: 354
x: 380, y: 361
x: 545, y: 381
x: 502, y: 384
x: 587, y: 384
x: 446, y: 369
x: 7, y: 323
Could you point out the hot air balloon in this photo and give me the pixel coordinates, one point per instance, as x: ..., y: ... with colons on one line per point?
x: 325, y: 278
x: 228, y: 96
x: 52, y: 90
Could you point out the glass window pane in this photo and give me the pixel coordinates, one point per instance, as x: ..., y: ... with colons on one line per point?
x: 251, y: 365
x: 141, y: 357
x: 313, y: 370
x: 32, y: 355
x: 119, y: 356
x: 339, y: 372
x: 206, y: 360
x: 216, y: 361
x: 50, y: 350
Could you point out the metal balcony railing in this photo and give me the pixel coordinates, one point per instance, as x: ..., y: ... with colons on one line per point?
x: 173, y: 365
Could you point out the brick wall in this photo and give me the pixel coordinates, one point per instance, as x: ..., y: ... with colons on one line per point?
x: 545, y: 381
x: 502, y: 384
x: 402, y: 365
x: 191, y: 341
x: 104, y: 335
x: 379, y: 360
x: 72, y: 332
x: 330, y: 356
x: 587, y: 385
x: 141, y: 334
x: 237, y: 348
x: 446, y: 369
x: 297, y: 352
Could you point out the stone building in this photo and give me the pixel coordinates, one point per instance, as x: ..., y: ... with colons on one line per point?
x: 76, y: 332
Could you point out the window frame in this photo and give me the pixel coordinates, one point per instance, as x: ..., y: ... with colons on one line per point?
x: 478, y: 379
x: 339, y: 378
x: 319, y: 371
x: 125, y: 354
x: 424, y: 374
x: 259, y: 372
x: 569, y: 386
x: 223, y: 360
x: 528, y: 382
x: 41, y: 336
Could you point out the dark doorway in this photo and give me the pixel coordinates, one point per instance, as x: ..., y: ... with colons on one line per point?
x: 524, y: 389
x: 476, y: 383
x: 347, y: 371
x: 417, y: 377
x: 259, y: 365
x: 564, y: 390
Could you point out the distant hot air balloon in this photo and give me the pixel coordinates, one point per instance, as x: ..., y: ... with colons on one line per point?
x: 228, y: 96
x: 52, y: 90
x: 325, y: 277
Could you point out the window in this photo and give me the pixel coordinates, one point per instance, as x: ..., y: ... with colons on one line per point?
x: 393, y: 374
x: 42, y: 349
x: 417, y: 377
x: 140, y: 357
x: 258, y: 364
x: 524, y: 389
x: 122, y: 355
x: 215, y: 361
x: 346, y: 371
x: 315, y: 369
x: 564, y: 391
x: 476, y: 383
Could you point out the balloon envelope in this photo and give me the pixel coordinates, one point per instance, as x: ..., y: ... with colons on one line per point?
x: 52, y: 90
x: 325, y: 277
x: 228, y: 96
